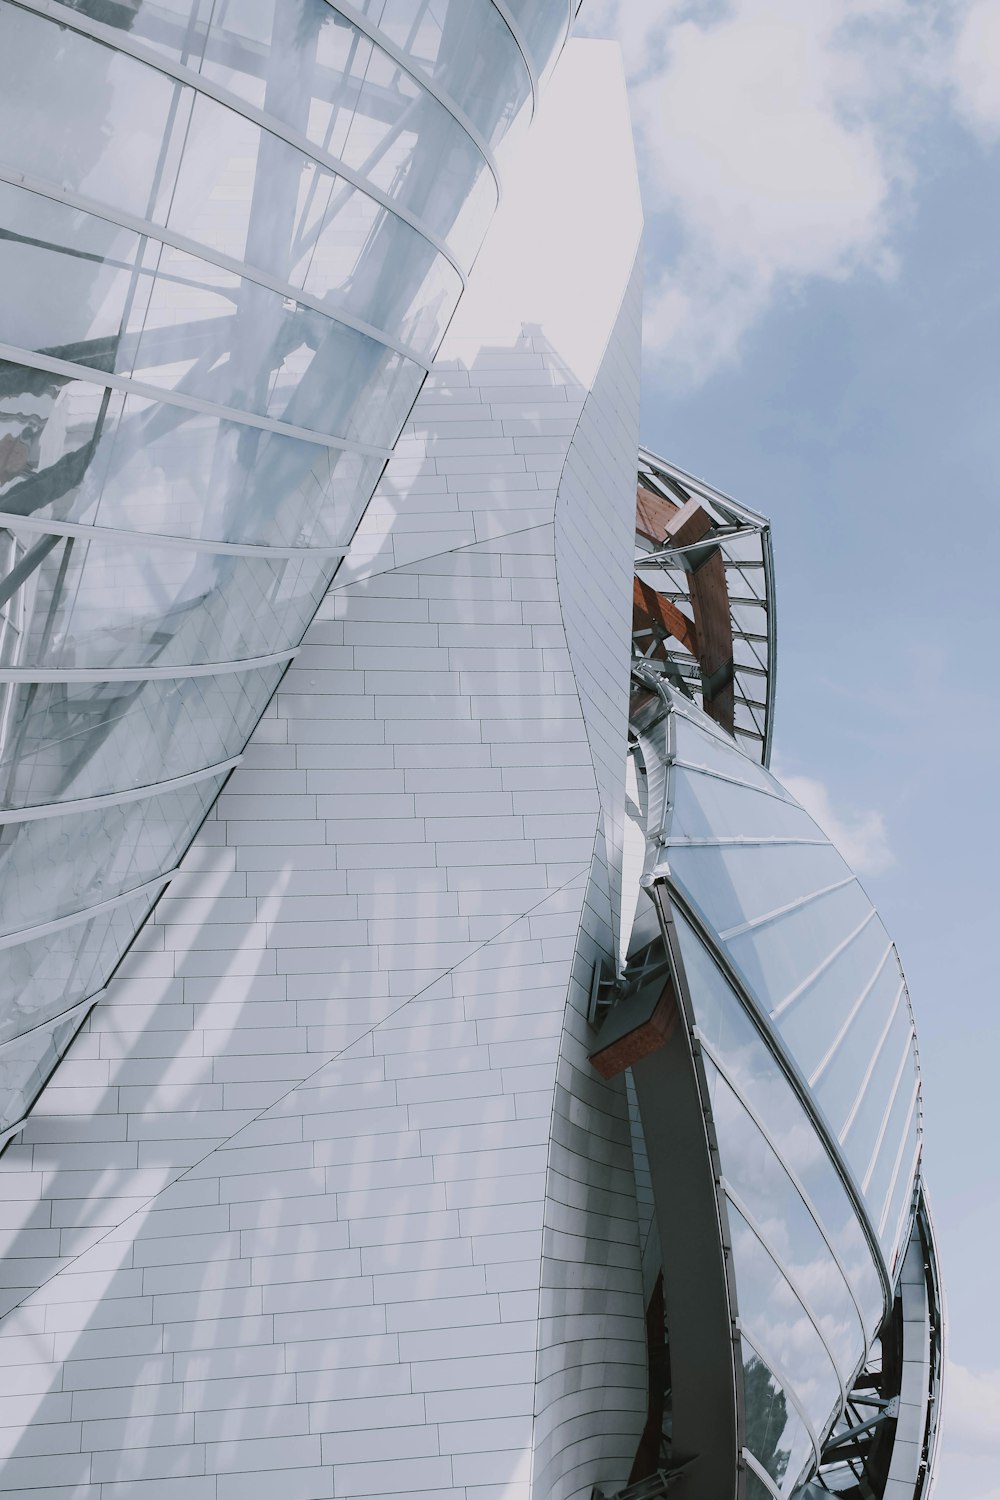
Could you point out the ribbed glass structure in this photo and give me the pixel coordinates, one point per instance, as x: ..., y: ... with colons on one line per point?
x: 231, y: 238
x: 806, y: 1053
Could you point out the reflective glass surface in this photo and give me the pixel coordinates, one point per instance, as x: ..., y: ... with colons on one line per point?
x: 543, y: 26
x: 67, y: 740
x: 801, y: 936
x: 278, y: 252
x: 53, y: 867
x: 775, y: 1433
x: 77, y: 452
x: 755, y: 1075
x: 760, y: 1180
x: 777, y: 1324
x: 26, y: 1063
x: 321, y: 77
x: 466, y: 48
x: 91, y: 603
x: 48, y: 974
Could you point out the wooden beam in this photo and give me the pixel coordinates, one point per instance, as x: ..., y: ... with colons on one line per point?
x: 651, y: 609
x: 710, y: 601
x: 652, y: 513
x: 690, y: 524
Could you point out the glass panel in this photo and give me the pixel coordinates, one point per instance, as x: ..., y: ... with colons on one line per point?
x: 896, y: 1134
x: 92, y: 456
x: 776, y: 1323
x: 756, y: 1075
x: 54, y: 867
x: 543, y: 27
x: 705, y: 807
x: 27, y: 1062
x: 760, y: 1180
x: 97, y: 116
x: 704, y: 748
x: 778, y: 956
x: 468, y: 51
x: 894, y: 1233
x: 813, y: 1022
x: 111, y: 603
x: 193, y: 327
x: 216, y: 165
x: 735, y: 883
x: 862, y: 1133
x: 838, y: 1084
x: 46, y: 976
x: 775, y: 1433
x: 68, y: 740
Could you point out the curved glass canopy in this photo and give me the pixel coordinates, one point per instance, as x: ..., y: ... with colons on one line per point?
x: 232, y: 238
x: 805, y: 1050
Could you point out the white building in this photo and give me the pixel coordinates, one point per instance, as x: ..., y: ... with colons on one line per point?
x: 322, y: 1195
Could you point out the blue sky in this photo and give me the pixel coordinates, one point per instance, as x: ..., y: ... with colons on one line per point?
x: 823, y: 342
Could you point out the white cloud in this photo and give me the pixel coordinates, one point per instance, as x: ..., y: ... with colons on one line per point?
x: 861, y: 837
x: 772, y: 141
x: 976, y: 68
x: 972, y: 1411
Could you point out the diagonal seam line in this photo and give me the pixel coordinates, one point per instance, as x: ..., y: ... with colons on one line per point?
x: 784, y: 911
x: 331, y: 1057
x: 430, y: 556
x: 820, y: 969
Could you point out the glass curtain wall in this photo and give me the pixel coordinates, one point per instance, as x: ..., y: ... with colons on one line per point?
x: 807, y: 1047
x: 231, y: 238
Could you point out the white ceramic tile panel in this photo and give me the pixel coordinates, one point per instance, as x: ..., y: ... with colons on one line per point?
x: 591, y: 1395
x: 339, y: 1041
x: 324, y: 1200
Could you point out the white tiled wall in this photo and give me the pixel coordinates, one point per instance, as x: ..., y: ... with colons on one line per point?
x: 325, y: 1200
x: 277, y: 1223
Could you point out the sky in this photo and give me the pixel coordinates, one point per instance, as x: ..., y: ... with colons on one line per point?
x: 821, y: 181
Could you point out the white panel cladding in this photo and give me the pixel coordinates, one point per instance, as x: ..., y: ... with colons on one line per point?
x: 591, y: 1397
x: 340, y: 1037
x: 277, y: 1225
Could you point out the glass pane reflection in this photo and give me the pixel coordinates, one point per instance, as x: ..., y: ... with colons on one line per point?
x: 762, y: 1183
x: 53, y: 867
x: 47, y: 975
x: 66, y: 740
x: 776, y: 1323
x: 756, y: 1075
x: 775, y: 1433
x: 106, y: 603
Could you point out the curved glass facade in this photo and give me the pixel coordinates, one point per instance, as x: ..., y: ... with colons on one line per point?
x: 805, y: 1049
x: 231, y: 239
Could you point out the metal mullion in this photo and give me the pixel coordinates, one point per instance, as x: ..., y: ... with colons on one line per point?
x: 149, y: 229
x: 690, y: 765
x: 772, y: 1039
x: 120, y: 41
x: 786, y: 910
x: 911, y: 1115
x: 876, y: 1052
x: 161, y: 539
x: 737, y: 841
x: 150, y: 673
x: 88, y: 375
x: 734, y: 1198
x: 821, y: 968
x: 786, y: 1385
x: 761, y: 1472
x: 115, y: 799
x: 811, y: 1208
x: 521, y: 44
x: 887, y: 1113
x: 73, y: 919
x: 422, y: 80
x: 907, y: 1202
